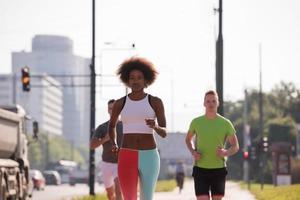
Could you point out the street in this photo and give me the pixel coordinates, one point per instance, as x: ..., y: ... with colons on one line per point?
x: 232, y: 192
x: 64, y: 191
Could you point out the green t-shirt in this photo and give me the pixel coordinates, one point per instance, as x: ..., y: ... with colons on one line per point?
x: 210, y: 133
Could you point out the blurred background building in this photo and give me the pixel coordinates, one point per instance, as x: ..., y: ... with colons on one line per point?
x: 59, y: 97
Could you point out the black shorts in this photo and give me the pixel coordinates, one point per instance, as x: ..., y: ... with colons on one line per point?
x: 212, y: 180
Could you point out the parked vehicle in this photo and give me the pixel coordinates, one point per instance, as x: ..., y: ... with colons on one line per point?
x: 79, y: 176
x: 14, y: 164
x: 64, y: 168
x: 52, y: 177
x: 38, y: 179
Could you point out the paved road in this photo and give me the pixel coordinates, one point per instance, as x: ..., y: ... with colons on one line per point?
x: 233, y: 192
x: 64, y: 192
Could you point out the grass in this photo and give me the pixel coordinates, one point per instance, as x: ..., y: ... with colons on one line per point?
x: 290, y: 192
x: 165, y: 185
x: 96, y: 197
x: 161, y: 186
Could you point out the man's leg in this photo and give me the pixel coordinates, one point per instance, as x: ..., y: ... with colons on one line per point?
x: 201, y: 183
x: 108, y: 180
x: 203, y: 197
x: 118, y: 190
x: 215, y: 197
x: 110, y: 193
x: 218, y: 184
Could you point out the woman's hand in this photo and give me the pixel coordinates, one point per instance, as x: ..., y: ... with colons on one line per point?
x: 150, y: 122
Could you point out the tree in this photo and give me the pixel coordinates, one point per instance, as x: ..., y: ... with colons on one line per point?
x: 51, y: 148
x: 281, y: 109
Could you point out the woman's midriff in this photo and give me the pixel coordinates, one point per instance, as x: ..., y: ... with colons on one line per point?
x: 138, y: 141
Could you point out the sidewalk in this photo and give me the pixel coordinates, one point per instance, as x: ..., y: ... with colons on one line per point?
x: 233, y: 192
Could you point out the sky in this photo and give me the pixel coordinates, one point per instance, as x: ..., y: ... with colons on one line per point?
x: 178, y: 36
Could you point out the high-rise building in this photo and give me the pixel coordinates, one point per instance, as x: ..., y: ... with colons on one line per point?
x: 7, y: 88
x: 53, y: 55
x: 43, y: 105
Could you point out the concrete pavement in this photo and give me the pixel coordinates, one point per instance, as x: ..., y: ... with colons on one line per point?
x: 233, y: 192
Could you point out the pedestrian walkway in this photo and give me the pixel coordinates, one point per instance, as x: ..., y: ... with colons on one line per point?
x: 233, y: 192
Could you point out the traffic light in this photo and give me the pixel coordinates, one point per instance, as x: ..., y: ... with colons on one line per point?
x: 253, y: 155
x: 35, y: 128
x: 265, y: 144
x: 246, y: 155
x: 25, y: 79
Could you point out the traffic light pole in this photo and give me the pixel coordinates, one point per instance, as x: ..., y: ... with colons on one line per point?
x: 219, y: 61
x: 246, y: 141
x: 260, y: 97
x: 92, y: 108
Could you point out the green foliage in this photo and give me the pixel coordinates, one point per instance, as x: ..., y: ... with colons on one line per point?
x: 35, y: 154
x: 282, y: 130
x: 281, y: 110
x: 291, y: 192
x: 51, y: 148
x: 165, y: 185
x: 96, y: 197
x: 286, y: 98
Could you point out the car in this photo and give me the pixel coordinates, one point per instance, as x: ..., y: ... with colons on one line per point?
x: 79, y: 176
x: 52, y: 177
x: 38, y: 179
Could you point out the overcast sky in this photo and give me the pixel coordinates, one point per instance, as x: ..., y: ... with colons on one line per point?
x: 177, y: 35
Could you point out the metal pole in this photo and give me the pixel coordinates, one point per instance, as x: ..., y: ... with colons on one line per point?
x: 260, y: 96
x: 172, y: 101
x: 246, y: 141
x: 298, y: 141
x: 219, y: 61
x: 92, y: 108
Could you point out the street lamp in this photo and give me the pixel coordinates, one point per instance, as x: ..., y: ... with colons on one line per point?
x: 113, y: 48
x: 92, y: 105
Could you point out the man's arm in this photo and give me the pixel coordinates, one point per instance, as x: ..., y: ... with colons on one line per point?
x: 96, y: 142
x: 234, y: 147
x: 118, y: 105
x: 189, y: 142
x: 191, y: 146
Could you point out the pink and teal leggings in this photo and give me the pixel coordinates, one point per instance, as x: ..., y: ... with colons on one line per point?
x: 134, y: 164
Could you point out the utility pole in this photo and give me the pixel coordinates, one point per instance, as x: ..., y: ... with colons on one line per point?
x: 246, y: 141
x: 219, y: 61
x: 92, y: 108
x: 260, y: 101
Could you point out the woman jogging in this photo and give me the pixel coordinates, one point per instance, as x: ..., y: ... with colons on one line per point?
x: 141, y: 115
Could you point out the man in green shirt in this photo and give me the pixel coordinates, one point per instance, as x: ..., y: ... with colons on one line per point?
x: 211, y: 132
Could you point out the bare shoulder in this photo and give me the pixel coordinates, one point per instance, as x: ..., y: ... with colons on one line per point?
x: 156, y: 100
x: 119, y: 103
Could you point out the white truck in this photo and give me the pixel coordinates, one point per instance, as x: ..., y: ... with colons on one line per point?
x: 14, y: 164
